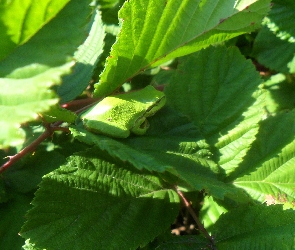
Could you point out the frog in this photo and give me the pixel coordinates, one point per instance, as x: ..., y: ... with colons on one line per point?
x: 120, y: 115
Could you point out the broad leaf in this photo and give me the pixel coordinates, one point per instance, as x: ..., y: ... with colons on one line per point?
x: 56, y: 113
x: 185, y: 242
x: 22, y: 19
x: 29, y: 97
x: 157, y: 31
x: 12, y: 218
x: 86, y: 58
x: 279, y: 94
x: 137, y: 151
x: 268, y: 170
x: 273, y: 52
x: 34, y: 67
x: 274, y: 45
x: 172, y: 144
x: 222, y: 99
x: 255, y: 227
x: 210, y: 212
x: 279, y: 18
x: 53, y: 45
x: 95, y: 203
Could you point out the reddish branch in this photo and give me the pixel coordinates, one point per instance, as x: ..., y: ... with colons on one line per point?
x: 195, y: 217
x: 74, y: 105
x: 30, y: 148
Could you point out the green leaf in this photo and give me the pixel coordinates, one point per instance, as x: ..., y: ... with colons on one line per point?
x: 29, y: 97
x: 274, y: 45
x: 12, y: 218
x: 87, y: 56
x: 255, y: 227
x: 278, y: 20
x: 157, y: 31
x: 186, y: 242
x: 145, y: 152
x: 3, y: 192
x: 280, y: 94
x: 36, y: 165
x: 118, y: 149
x: 172, y: 144
x: 268, y: 169
x: 210, y: 212
x: 222, y: 99
x: 273, y: 52
x: 95, y: 203
x: 44, y: 59
x: 22, y: 19
x: 56, y: 113
x: 53, y: 45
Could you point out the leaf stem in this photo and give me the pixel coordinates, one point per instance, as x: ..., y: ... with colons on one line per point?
x: 195, y: 217
x: 47, y: 133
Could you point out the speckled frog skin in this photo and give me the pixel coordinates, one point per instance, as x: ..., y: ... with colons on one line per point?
x: 117, y: 116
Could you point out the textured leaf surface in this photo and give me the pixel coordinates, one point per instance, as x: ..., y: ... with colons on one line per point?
x: 279, y: 18
x: 53, y: 45
x: 210, y: 212
x: 222, y: 99
x: 186, y: 242
x: 257, y: 227
x: 22, y: 99
x: 86, y: 57
x: 279, y: 94
x: 268, y: 171
x: 172, y: 144
x: 273, y: 52
x: 95, y: 203
x: 158, y: 30
x: 34, y: 67
x: 33, y: 171
x: 274, y: 45
x: 56, y: 113
x: 21, y: 19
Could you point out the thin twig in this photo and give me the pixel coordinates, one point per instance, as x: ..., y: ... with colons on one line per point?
x: 47, y: 133
x: 195, y: 217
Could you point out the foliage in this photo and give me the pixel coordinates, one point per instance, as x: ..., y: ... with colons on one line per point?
x: 222, y: 148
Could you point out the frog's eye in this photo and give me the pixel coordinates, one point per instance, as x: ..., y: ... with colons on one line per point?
x: 157, y: 105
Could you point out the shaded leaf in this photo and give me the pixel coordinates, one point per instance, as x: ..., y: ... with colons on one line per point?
x: 12, y: 218
x: 22, y: 19
x: 268, y: 169
x: 56, y: 113
x: 222, y: 99
x: 87, y: 56
x: 173, y: 144
x: 273, y: 52
x: 279, y: 18
x: 256, y: 227
x: 274, y: 45
x: 28, y: 97
x: 32, y: 68
x: 53, y: 45
x: 280, y: 94
x: 210, y: 212
x: 186, y: 242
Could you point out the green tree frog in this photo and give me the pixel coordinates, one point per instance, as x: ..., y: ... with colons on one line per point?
x: 118, y: 115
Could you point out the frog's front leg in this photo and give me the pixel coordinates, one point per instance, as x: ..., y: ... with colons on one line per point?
x: 140, y: 126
